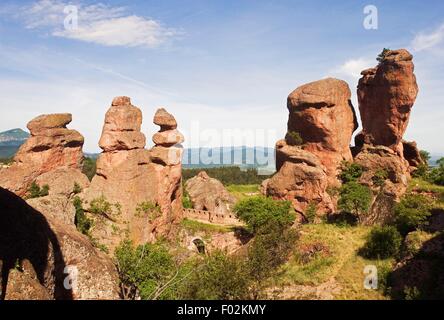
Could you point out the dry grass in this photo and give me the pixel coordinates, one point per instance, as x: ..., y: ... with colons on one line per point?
x: 339, y: 261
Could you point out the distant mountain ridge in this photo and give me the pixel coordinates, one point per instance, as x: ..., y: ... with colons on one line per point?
x: 13, y: 137
x: 241, y: 156
x: 10, y: 142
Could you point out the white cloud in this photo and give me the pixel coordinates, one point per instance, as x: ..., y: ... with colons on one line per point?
x: 98, y: 23
x: 352, y: 68
x: 425, y: 41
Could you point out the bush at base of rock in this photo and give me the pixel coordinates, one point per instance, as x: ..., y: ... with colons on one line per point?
x: 218, y: 277
x: 151, y: 271
x: 382, y: 243
x: 35, y: 191
x: 350, y: 171
x: 242, y: 276
x: 412, y: 212
x: 355, y: 198
x: 82, y: 222
x: 259, y: 212
x: 436, y: 175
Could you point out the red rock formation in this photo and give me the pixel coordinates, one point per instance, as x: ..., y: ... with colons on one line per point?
x: 209, y: 194
x: 128, y: 175
x: 386, y: 95
x: 166, y: 157
x: 301, y: 179
x: 411, y: 154
x: 51, y: 146
x: 322, y: 114
x: 387, y: 174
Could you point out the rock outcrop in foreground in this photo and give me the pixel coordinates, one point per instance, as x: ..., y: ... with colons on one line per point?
x: 209, y: 194
x: 132, y: 178
x: 39, y: 254
x: 51, y: 146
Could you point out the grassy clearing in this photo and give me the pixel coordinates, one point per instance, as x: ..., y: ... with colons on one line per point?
x: 420, y: 185
x: 339, y: 261
x: 242, y: 191
x: 196, y: 226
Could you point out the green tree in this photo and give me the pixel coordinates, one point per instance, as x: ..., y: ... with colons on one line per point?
x: 425, y: 156
x: 148, y: 209
x: 186, y: 201
x: 293, y: 138
x: 437, y: 174
x: 382, y: 56
x: 219, y: 277
x: 101, y: 207
x: 82, y: 222
x: 355, y: 198
x: 412, y: 212
x: 310, y: 212
x: 77, y: 188
x: 148, y: 271
x: 266, y: 254
x: 259, y: 212
x: 89, y: 167
x: 382, y: 242
x: 350, y: 171
x: 228, y: 175
x: 379, y: 178
x: 35, y: 191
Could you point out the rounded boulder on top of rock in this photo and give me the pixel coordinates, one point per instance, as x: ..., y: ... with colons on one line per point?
x: 165, y: 120
x: 121, y: 101
x: 322, y: 115
x: 49, y: 121
x: 121, y: 130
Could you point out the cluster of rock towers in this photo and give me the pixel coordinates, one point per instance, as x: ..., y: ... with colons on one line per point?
x: 322, y: 115
x: 141, y: 188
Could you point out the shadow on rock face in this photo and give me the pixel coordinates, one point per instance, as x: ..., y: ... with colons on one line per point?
x: 26, y: 234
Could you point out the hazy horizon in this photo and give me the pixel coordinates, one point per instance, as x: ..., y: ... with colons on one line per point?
x: 215, y: 66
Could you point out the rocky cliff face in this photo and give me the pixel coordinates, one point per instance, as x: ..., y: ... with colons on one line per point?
x: 130, y: 177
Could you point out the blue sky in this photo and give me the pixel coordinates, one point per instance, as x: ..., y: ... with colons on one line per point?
x: 216, y: 65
